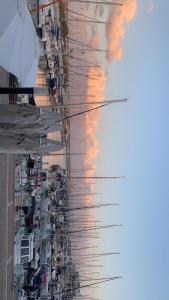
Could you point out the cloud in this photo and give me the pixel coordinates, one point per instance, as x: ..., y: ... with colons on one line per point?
x: 116, y: 28
x: 151, y: 8
x: 92, y: 119
x: 95, y: 40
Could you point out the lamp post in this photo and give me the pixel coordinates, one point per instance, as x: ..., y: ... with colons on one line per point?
x: 42, y: 91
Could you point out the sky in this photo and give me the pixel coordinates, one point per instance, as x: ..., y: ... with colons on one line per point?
x: 134, y: 141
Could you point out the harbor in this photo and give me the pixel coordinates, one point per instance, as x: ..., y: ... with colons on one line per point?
x: 84, y: 149
x: 46, y: 234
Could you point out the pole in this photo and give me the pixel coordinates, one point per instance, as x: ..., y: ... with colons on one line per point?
x: 84, y: 95
x: 79, y: 14
x: 94, y: 228
x: 59, y: 154
x: 92, y: 109
x: 25, y: 90
x: 44, y: 5
x: 98, y: 2
x: 81, y: 1
x: 83, y: 75
x: 88, y: 21
x: 73, y: 177
x: 95, y: 102
x: 16, y: 90
x: 99, y: 254
x: 87, y: 285
x: 83, y: 66
x: 79, y: 59
x: 79, y: 42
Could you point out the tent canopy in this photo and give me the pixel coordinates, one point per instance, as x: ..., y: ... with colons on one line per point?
x: 19, y: 46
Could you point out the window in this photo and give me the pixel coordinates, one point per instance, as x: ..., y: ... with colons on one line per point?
x: 24, y: 251
x: 24, y: 259
x: 24, y: 243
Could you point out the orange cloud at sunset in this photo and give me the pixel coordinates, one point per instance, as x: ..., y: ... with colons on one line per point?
x: 95, y: 40
x: 115, y: 28
x: 92, y: 119
x: 84, y: 128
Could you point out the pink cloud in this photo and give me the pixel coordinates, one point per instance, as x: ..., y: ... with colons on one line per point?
x: 115, y: 28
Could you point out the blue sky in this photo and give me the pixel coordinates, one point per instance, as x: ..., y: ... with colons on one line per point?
x: 134, y: 141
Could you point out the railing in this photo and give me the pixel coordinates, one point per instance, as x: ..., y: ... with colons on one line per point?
x: 12, y: 82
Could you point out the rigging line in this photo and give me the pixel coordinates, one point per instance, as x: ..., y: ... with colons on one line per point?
x: 88, y: 285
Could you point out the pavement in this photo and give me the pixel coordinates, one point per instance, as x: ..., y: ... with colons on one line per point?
x: 7, y: 163
x: 7, y: 190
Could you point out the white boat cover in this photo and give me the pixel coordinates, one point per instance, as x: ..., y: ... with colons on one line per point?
x: 21, y: 144
x: 28, y: 119
x: 19, y: 46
